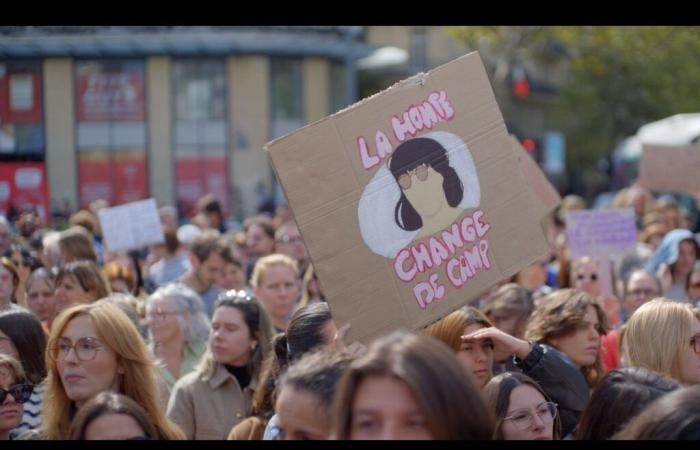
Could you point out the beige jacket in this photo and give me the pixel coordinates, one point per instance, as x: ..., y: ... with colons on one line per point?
x: 208, y: 404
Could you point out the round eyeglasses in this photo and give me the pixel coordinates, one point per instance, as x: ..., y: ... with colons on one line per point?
x: 523, y: 419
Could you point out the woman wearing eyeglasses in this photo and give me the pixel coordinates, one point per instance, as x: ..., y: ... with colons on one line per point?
x: 664, y: 336
x: 111, y: 416
x: 208, y: 402
x: 523, y: 410
x: 14, y: 392
x: 95, y: 348
x: 562, y: 352
x: 178, y: 329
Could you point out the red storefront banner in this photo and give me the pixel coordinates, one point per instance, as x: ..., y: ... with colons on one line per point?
x: 120, y: 179
x: 196, y: 177
x: 24, y: 185
x: 20, y: 98
x: 105, y: 96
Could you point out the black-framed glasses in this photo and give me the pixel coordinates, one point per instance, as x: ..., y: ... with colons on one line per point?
x: 523, y: 419
x: 85, y: 348
x: 20, y: 392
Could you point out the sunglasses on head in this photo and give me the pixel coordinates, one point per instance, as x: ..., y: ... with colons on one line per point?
x: 20, y: 392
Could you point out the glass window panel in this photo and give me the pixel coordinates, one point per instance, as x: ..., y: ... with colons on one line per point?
x: 128, y: 135
x: 186, y: 133
x: 200, y: 131
x: 30, y: 138
x: 21, y: 110
x: 213, y: 132
x: 93, y: 134
x: 339, y: 88
x: 286, y: 88
x: 111, y: 130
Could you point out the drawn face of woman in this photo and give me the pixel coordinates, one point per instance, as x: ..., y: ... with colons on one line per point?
x: 423, y: 189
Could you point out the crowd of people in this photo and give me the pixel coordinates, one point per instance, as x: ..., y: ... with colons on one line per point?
x: 221, y: 333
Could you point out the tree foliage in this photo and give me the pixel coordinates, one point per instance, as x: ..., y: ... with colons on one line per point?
x: 617, y: 78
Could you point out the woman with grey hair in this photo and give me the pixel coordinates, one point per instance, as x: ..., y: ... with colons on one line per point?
x: 178, y: 329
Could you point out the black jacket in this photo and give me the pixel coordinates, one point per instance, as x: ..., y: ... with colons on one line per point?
x: 560, y: 379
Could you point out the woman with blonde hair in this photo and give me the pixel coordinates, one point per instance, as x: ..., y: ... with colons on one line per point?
x: 275, y: 282
x: 664, y: 336
x: 95, y: 348
x: 475, y: 357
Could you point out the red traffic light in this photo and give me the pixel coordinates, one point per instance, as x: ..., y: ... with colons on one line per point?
x: 529, y: 144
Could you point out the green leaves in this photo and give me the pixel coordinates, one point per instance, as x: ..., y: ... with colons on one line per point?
x: 615, y: 78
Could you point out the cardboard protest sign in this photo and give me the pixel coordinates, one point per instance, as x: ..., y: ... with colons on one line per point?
x: 670, y: 168
x: 131, y: 226
x: 411, y: 202
x: 546, y: 196
x: 604, y: 235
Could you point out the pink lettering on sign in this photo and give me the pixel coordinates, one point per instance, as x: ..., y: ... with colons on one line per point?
x: 449, y: 249
x: 416, y: 118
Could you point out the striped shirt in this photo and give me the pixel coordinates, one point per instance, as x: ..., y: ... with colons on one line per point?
x: 32, y: 409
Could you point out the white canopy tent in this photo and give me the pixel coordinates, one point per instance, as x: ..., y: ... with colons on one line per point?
x: 681, y: 129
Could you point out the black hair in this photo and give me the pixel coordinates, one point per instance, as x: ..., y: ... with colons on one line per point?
x: 412, y: 154
x: 318, y: 373
x: 675, y: 416
x: 619, y: 397
x: 26, y: 333
x: 304, y: 334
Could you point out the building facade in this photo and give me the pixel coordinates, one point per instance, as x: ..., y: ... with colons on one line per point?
x: 126, y: 113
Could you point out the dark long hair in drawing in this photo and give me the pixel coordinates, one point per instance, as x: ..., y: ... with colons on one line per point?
x: 408, y: 156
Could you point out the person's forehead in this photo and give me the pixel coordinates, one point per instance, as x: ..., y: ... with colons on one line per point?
x: 643, y: 279
x: 6, y: 375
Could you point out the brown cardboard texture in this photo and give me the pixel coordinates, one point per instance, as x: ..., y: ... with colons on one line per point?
x: 411, y: 202
x: 546, y: 196
x: 670, y: 168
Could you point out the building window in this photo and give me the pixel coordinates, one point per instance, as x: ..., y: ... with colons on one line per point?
x: 21, y: 111
x: 419, y: 51
x: 201, y: 167
x: 286, y: 109
x: 286, y: 96
x: 111, y: 131
x: 23, y: 182
x: 339, y: 86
